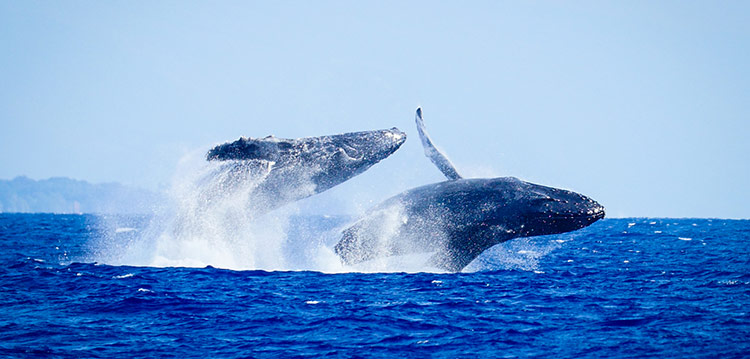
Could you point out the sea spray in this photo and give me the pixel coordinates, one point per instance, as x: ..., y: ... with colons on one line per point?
x: 518, y: 254
x: 215, y: 215
x: 210, y: 216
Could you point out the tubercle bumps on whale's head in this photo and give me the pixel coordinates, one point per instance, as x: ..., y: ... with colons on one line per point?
x: 524, y: 209
x: 369, y: 145
x: 352, y: 153
x: 552, y: 210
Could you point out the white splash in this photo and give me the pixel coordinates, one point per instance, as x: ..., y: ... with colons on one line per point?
x: 517, y: 254
x: 213, y: 216
x: 208, y: 219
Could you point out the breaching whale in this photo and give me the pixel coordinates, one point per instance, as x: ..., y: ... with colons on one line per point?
x: 287, y: 170
x: 460, y: 218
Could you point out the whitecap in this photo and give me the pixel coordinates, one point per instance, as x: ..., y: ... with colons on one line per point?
x: 528, y: 252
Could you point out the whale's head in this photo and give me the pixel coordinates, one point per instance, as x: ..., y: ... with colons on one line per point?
x: 363, y: 147
x: 350, y: 154
x: 324, y: 161
x: 503, y: 208
x: 540, y: 210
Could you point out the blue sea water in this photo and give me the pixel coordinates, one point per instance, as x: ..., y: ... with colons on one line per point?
x: 628, y: 288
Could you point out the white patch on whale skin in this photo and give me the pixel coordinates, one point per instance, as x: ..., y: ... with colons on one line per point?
x: 395, y: 136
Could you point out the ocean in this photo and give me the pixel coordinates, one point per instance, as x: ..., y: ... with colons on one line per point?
x: 87, y: 286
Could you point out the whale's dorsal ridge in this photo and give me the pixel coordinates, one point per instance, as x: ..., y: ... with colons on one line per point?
x: 437, y: 157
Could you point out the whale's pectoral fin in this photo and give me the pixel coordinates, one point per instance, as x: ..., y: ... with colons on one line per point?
x: 437, y: 157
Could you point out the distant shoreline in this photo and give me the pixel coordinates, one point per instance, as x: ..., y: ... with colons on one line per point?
x: 69, y: 196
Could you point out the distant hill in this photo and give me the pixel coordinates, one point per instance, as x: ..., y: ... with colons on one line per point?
x: 65, y: 195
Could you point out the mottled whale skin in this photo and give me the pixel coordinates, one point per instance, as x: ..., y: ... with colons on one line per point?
x: 287, y: 170
x: 460, y: 218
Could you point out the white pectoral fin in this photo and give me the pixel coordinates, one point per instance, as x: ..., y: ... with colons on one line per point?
x: 437, y: 157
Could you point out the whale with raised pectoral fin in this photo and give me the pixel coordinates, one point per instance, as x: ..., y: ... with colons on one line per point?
x: 460, y: 218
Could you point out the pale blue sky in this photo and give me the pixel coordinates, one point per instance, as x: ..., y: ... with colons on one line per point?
x: 641, y: 105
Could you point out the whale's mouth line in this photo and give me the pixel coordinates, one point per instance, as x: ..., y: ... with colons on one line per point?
x: 594, y: 215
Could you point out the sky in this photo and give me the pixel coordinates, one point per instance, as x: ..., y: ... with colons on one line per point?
x: 640, y: 105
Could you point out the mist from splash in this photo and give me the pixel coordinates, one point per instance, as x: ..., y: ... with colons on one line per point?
x: 213, y: 214
x: 206, y: 218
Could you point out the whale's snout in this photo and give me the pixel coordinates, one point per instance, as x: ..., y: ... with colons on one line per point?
x: 395, y: 135
x: 588, y: 210
x: 368, y: 146
x: 596, y: 212
x: 557, y: 210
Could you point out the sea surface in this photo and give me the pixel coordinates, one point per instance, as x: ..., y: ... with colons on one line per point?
x: 626, y: 288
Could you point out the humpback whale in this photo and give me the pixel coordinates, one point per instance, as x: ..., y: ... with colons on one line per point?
x: 286, y: 170
x: 460, y: 218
